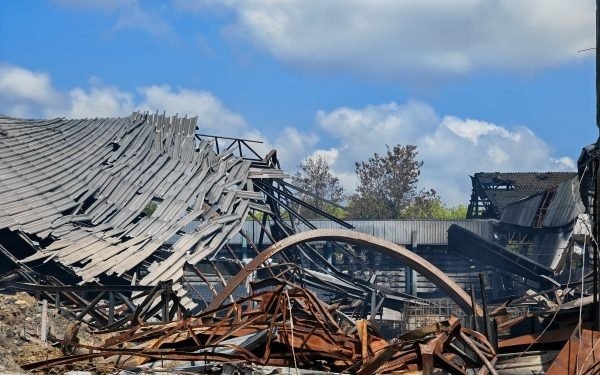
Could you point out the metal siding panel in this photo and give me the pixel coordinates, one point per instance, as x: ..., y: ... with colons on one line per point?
x: 522, y: 212
x: 430, y: 232
x: 565, y: 206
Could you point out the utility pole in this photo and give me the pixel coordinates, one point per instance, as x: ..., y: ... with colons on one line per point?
x: 597, y: 64
x: 594, y: 246
x: 595, y: 166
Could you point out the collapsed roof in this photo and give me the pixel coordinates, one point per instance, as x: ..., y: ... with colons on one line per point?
x: 142, y: 196
x: 493, y: 191
x: 534, y: 212
x: 135, y: 199
x: 555, y: 207
x: 103, y: 196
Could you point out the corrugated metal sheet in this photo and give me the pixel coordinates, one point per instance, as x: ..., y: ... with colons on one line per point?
x: 522, y: 212
x: 58, y: 177
x: 487, y: 252
x: 562, y: 210
x: 429, y: 232
x: 550, y: 247
x: 565, y: 206
x: 520, y: 185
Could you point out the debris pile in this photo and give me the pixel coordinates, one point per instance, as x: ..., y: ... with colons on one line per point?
x: 287, y: 327
x: 138, y: 228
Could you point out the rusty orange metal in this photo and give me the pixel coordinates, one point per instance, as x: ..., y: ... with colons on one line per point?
x: 580, y: 355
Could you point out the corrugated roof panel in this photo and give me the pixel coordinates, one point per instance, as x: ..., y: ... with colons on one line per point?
x: 110, y: 170
x: 522, y: 212
x: 515, y: 186
x: 565, y: 206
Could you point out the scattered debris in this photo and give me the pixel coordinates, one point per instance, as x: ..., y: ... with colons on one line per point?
x: 137, y: 230
x: 287, y: 327
x: 20, y: 325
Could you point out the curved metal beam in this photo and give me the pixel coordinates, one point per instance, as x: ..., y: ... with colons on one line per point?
x: 419, y: 264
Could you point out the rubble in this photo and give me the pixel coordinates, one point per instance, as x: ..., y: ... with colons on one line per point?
x: 20, y: 325
x: 287, y: 327
x: 133, y: 237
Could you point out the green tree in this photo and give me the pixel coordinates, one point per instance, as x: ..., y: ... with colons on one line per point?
x: 320, y: 187
x: 434, y: 209
x: 387, y: 186
x: 455, y: 213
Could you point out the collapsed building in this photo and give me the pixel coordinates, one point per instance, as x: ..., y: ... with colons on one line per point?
x: 538, y: 216
x: 192, y: 248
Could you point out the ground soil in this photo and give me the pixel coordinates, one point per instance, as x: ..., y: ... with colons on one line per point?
x: 20, y: 326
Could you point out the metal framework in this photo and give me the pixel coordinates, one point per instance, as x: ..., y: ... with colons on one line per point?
x: 131, y: 201
x: 411, y: 259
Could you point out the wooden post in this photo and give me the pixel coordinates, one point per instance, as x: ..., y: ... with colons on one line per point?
x: 474, y: 327
x: 44, y: 328
x: 111, y: 308
x: 483, y: 302
x: 410, y: 279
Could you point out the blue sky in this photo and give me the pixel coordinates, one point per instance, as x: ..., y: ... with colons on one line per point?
x: 476, y: 85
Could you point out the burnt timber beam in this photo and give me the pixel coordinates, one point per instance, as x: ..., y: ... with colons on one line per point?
x: 432, y: 273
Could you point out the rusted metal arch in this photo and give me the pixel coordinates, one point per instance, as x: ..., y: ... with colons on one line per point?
x: 419, y: 264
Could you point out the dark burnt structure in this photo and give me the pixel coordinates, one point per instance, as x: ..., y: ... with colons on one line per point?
x: 493, y: 191
x: 538, y: 217
x: 106, y: 219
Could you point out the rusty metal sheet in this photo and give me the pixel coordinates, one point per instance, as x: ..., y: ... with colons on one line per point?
x: 580, y: 355
x: 550, y: 336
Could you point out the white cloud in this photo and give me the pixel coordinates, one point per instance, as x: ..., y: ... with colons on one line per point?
x: 213, y: 117
x: 25, y: 93
x: 564, y: 163
x: 474, y: 129
x: 451, y: 148
x: 97, y: 102
x: 392, y: 38
x: 292, y: 146
x: 21, y: 90
x: 330, y: 156
x: 131, y: 14
x: 338, y: 167
x: 364, y: 131
x: 136, y: 17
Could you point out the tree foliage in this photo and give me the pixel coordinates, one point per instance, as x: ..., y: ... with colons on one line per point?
x: 150, y: 208
x: 434, y: 209
x: 388, y: 187
x: 315, y: 177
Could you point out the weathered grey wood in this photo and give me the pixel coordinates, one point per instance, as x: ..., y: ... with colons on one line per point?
x: 44, y: 324
x: 56, y: 174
